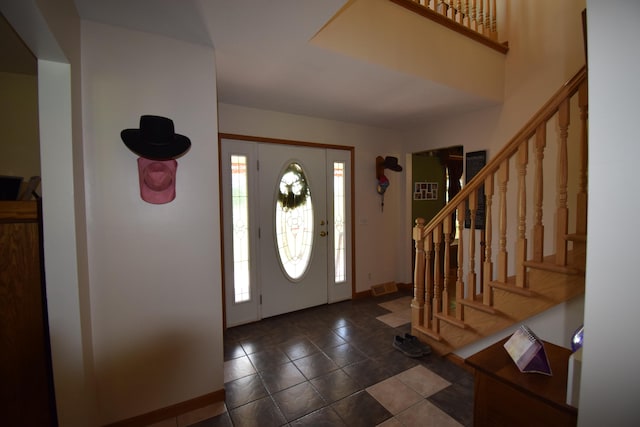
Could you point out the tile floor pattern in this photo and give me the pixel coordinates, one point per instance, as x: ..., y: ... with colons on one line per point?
x: 334, y: 365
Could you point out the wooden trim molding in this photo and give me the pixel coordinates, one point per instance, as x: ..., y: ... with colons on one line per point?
x: 362, y: 294
x: 405, y: 286
x: 19, y: 211
x: 367, y: 293
x: 452, y: 25
x: 171, y: 411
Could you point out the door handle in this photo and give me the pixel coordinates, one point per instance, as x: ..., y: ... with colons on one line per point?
x: 323, y: 233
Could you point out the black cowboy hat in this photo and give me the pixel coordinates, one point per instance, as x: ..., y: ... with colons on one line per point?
x: 392, y: 163
x: 156, y: 139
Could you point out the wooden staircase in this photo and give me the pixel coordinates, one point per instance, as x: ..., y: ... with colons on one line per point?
x: 477, y: 294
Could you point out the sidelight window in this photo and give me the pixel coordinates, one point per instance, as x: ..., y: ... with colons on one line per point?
x: 240, y: 208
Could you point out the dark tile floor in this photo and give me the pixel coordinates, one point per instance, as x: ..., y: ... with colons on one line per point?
x: 334, y: 365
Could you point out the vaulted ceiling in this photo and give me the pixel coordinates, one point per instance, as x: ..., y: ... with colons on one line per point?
x: 265, y: 59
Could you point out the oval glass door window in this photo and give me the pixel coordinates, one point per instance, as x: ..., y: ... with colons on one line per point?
x: 294, y: 222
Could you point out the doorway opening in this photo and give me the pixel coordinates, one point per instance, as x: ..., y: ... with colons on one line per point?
x: 442, y: 167
x: 438, y: 171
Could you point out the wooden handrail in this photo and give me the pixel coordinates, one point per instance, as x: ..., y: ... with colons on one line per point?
x: 443, y: 292
x: 529, y: 129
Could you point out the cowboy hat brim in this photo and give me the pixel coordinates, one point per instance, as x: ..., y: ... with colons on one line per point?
x: 179, y: 145
x: 392, y: 163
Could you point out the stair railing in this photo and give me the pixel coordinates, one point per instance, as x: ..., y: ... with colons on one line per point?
x: 474, y: 18
x: 439, y: 297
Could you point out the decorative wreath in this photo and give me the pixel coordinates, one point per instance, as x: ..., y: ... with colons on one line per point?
x: 294, y: 189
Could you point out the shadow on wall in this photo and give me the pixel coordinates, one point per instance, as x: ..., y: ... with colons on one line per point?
x: 144, y: 376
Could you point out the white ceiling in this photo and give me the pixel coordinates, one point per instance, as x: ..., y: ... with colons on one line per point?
x: 264, y: 59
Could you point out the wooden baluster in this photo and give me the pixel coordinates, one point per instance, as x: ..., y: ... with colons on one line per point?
x: 538, y: 193
x: 471, y: 275
x: 487, y: 296
x: 465, y: 14
x: 487, y: 21
x: 521, y: 245
x: 447, y: 228
x: 494, y: 23
x: 473, y: 18
x: 458, y: 18
x: 562, y: 215
x: 481, y: 253
x: 481, y: 17
x: 581, y: 209
x: 429, y: 283
x: 437, y: 276
x: 417, y: 304
x: 503, y: 178
x: 460, y: 261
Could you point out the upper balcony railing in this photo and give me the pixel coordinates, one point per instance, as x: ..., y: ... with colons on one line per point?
x: 474, y: 18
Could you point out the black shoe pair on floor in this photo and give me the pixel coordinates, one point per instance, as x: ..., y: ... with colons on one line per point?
x: 411, y: 346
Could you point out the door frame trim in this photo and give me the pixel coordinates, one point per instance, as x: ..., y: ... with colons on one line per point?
x: 259, y: 139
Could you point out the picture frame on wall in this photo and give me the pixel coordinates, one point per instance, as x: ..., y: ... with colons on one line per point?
x: 425, y: 191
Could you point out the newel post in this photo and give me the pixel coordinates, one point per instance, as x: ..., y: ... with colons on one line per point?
x: 417, y: 304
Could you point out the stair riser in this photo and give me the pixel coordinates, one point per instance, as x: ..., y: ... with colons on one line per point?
x: 551, y: 289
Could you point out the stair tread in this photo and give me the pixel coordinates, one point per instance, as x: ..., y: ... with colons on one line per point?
x: 576, y: 237
x: 550, y: 266
x: 428, y: 332
x: 451, y: 320
x: 478, y: 305
x: 512, y: 288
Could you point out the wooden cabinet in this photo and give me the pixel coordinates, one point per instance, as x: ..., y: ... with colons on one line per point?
x: 26, y: 379
x: 504, y: 396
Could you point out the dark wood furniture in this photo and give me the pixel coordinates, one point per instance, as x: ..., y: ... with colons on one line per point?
x: 504, y: 396
x: 26, y: 379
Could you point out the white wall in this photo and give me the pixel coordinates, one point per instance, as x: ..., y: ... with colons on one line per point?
x: 377, y: 247
x: 610, y: 377
x: 154, y: 269
x: 52, y: 33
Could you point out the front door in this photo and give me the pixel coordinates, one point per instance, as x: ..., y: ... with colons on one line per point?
x: 286, y: 244
x: 293, y: 227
